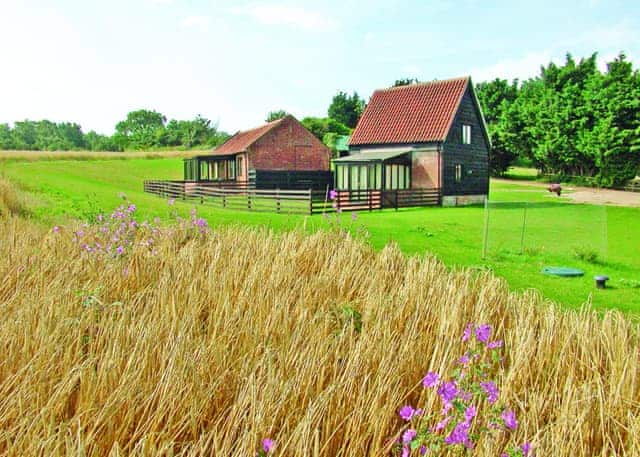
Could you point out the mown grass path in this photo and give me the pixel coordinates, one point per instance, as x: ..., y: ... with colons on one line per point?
x: 555, y: 231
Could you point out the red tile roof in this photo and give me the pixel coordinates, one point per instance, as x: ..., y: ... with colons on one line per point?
x: 242, y: 140
x: 410, y: 114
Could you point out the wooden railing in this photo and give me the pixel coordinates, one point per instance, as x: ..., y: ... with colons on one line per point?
x: 247, y: 198
x: 241, y: 197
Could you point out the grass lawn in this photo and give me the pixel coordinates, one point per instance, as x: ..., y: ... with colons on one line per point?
x: 557, y: 233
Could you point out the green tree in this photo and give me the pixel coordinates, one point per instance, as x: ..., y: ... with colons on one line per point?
x: 275, y: 115
x: 24, y: 135
x: 6, y: 139
x: 141, y: 129
x: 495, y: 98
x: 405, y: 82
x: 346, y: 109
x: 320, y: 126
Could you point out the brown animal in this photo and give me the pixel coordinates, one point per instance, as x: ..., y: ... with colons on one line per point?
x: 557, y: 188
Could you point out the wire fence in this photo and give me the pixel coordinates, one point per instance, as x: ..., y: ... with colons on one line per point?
x: 578, y: 231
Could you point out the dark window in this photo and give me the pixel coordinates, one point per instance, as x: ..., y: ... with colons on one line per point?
x: 239, y: 167
x: 458, y: 172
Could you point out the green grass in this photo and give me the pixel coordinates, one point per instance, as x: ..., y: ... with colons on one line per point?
x: 522, y: 173
x: 597, y: 239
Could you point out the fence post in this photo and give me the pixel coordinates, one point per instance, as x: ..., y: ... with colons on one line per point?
x: 277, y: 199
x: 524, y: 225
x: 310, y: 202
x: 485, y: 234
x: 370, y: 195
x: 224, y: 200
x: 396, y: 199
x: 249, y: 201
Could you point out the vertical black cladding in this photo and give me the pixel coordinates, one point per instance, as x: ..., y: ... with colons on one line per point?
x: 473, y: 158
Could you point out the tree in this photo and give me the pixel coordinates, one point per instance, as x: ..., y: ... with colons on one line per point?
x: 141, y: 129
x: 495, y: 99
x: 405, y: 82
x: 6, y: 140
x: 275, y: 115
x: 346, y: 109
x: 320, y: 126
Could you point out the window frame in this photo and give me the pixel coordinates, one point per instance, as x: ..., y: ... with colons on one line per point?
x: 466, y: 134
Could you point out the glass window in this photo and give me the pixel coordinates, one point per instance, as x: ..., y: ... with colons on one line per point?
x: 239, y: 167
x: 458, y: 172
x: 339, y: 177
x: 363, y: 177
x: 354, y: 177
x: 204, y: 171
x: 378, y: 176
x: 466, y: 134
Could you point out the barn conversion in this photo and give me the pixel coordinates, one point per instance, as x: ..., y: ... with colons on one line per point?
x: 421, y: 136
x: 280, y: 154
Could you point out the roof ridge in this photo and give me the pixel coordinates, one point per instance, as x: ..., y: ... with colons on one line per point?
x: 424, y: 83
x: 266, y: 124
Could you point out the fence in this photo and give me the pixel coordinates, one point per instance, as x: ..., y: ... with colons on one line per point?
x: 241, y: 196
x: 586, y: 181
x: 557, y: 232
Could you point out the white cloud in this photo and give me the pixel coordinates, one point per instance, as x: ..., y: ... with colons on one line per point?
x: 189, y: 22
x: 291, y: 16
x: 522, y: 68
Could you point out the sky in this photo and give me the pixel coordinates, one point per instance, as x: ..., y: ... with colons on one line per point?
x: 91, y: 62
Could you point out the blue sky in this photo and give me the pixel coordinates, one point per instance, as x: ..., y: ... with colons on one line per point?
x: 233, y: 61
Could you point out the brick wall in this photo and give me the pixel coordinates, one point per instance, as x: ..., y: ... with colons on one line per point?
x: 289, y: 146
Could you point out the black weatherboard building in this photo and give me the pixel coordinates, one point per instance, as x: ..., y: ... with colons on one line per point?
x: 422, y: 136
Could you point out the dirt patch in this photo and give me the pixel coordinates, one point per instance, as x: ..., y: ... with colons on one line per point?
x: 604, y: 197
x: 589, y: 194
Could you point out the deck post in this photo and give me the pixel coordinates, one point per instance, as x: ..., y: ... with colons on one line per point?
x: 249, y: 201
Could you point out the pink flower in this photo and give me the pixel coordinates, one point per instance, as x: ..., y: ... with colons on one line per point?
x: 526, y: 449
x: 431, y: 379
x: 491, y: 390
x: 509, y: 418
x: 464, y: 360
x: 268, y: 445
x: 442, y: 424
x: 460, y: 435
x: 333, y: 194
x: 470, y: 413
x: 56, y: 229
x: 171, y: 201
x: 483, y: 332
x: 448, y: 391
x: 494, y: 344
x: 408, y: 436
x: 354, y: 216
x: 406, y: 412
x: 467, y: 333
x: 120, y: 250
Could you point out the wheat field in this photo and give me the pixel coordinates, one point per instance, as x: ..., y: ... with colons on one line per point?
x: 218, y: 341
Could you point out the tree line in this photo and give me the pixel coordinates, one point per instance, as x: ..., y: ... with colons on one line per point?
x: 141, y: 130
x: 571, y: 120
x: 342, y: 116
